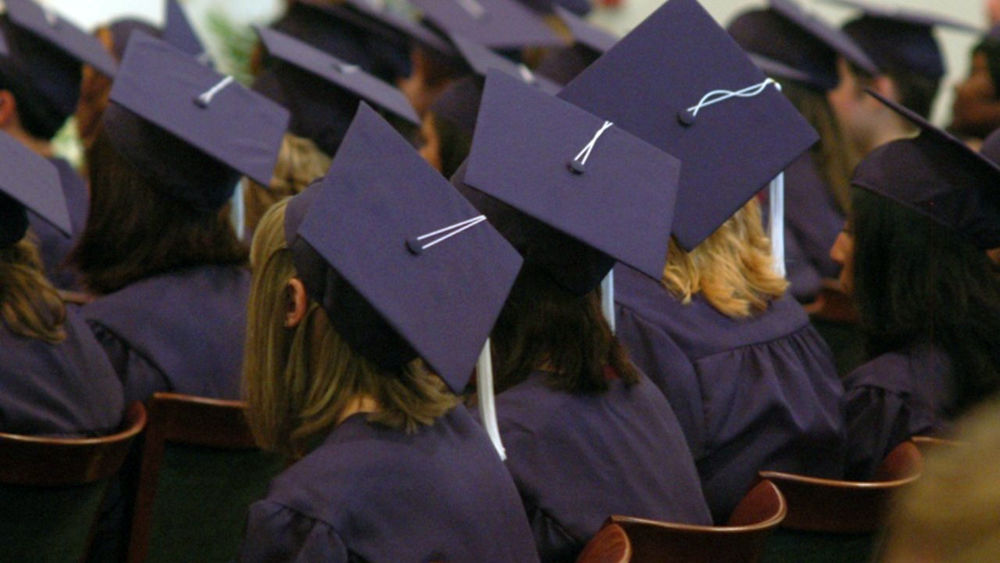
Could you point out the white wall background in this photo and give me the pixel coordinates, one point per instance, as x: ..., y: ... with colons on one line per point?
x: 956, y: 45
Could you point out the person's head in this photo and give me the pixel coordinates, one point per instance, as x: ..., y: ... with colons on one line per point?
x: 29, y: 305
x: 300, y: 375
x: 974, y: 107
x: 300, y: 162
x: 430, y: 75
x: 447, y: 127
x: 732, y: 269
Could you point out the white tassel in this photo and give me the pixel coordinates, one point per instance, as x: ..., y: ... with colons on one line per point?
x: 608, y: 298
x: 776, y: 223
x: 487, y: 403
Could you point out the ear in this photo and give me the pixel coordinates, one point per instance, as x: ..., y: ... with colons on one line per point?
x: 297, y: 302
x: 8, y: 109
x: 884, y: 86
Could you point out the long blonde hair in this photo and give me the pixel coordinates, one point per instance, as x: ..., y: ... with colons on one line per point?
x: 732, y: 269
x: 300, y: 162
x: 298, y: 381
x: 30, y: 306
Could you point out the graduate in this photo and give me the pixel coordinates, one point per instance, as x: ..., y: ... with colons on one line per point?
x: 975, y: 111
x: 562, y: 64
x: 374, y: 291
x: 910, y: 63
x: 55, y: 377
x: 322, y: 93
x: 801, y: 52
x: 586, y: 434
x: 446, y: 129
x: 925, y: 209
x: 41, y: 61
x: 166, y: 266
x: 753, y: 384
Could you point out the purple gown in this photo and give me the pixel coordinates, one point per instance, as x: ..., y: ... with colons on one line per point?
x: 892, y: 397
x: 52, y: 244
x: 577, y: 459
x: 812, y: 223
x: 751, y: 394
x: 374, y: 494
x: 64, y: 389
x: 181, y: 332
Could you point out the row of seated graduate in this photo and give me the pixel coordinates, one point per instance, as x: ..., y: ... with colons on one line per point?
x: 647, y: 355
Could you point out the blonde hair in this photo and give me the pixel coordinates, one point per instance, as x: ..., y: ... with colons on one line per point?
x: 298, y: 381
x: 732, y: 269
x: 30, y: 306
x: 300, y: 162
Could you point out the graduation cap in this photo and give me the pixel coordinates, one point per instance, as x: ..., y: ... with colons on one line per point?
x: 577, y: 7
x: 376, y: 17
x: 680, y: 82
x: 177, y: 31
x: 403, y: 265
x: 938, y: 176
x: 786, y: 42
x: 192, y: 129
x: 991, y: 147
x: 481, y: 59
x: 497, y: 24
x: 32, y: 183
x: 585, y: 33
x: 43, y: 63
x: 122, y: 29
x: 899, y: 38
x: 568, y: 188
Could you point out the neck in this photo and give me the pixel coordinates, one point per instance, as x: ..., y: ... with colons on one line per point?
x: 892, y: 130
x: 359, y: 404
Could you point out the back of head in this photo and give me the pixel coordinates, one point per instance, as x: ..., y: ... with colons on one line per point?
x: 298, y: 381
x: 732, y: 269
x: 29, y: 305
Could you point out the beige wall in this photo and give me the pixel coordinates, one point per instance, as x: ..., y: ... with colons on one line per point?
x: 956, y: 45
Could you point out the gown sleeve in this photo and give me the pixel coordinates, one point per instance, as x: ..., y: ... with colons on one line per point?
x: 877, y: 421
x: 139, y: 377
x: 276, y: 533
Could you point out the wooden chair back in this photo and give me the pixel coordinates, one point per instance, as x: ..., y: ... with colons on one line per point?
x: 51, y: 490
x: 609, y: 545
x: 927, y: 444
x: 830, y: 520
x: 200, y: 472
x: 742, y: 540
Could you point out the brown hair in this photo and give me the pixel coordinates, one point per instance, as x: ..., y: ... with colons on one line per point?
x: 733, y: 268
x: 300, y: 162
x: 94, y: 91
x: 135, y: 230
x: 30, y: 306
x: 298, y: 381
x: 545, y: 327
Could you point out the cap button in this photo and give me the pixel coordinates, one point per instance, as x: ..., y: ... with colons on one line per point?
x: 576, y: 167
x: 686, y: 118
x: 414, y: 246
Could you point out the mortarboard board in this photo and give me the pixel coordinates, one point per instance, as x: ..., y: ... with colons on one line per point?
x: 573, y: 186
x: 61, y: 34
x: 497, y: 24
x: 122, y: 29
x: 563, y: 64
x: 899, y: 38
x: 679, y: 82
x: 936, y: 175
x: 403, y: 265
x: 577, y: 7
x: 191, y: 128
x: 177, y: 31
x: 376, y: 16
x: 481, y: 60
x: 789, y: 43
x: 342, y: 74
x: 29, y: 182
x: 459, y: 104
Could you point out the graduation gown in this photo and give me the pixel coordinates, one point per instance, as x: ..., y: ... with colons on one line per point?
x: 375, y: 494
x: 577, y: 459
x: 182, y: 332
x: 52, y: 244
x: 750, y: 394
x: 892, y: 397
x: 812, y: 223
x: 64, y: 389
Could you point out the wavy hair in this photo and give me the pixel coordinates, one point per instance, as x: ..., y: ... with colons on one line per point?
x: 30, y: 306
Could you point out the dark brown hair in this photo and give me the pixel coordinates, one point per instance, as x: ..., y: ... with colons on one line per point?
x: 135, y: 230
x: 545, y: 327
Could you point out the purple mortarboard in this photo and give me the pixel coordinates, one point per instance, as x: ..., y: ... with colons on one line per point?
x: 29, y: 182
x: 578, y: 7
x: 403, y: 265
x: 936, y: 175
x: 481, y: 59
x: 376, y: 17
x: 459, y: 104
x: 679, y: 82
x: 567, y: 188
x: 497, y: 24
x: 177, y: 31
x: 585, y: 33
x: 61, y: 34
x: 122, y: 29
x: 345, y: 76
x: 193, y: 129
x: 898, y: 38
x: 563, y: 64
x: 788, y: 43
x: 991, y: 147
